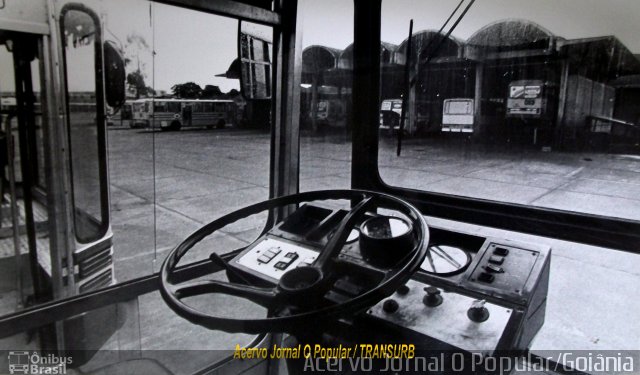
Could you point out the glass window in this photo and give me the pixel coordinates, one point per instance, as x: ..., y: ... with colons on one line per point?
x: 173, y: 107
x: 255, y: 54
x: 517, y: 104
x: 81, y: 38
x: 176, y: 347
x: 325, y: 95
x: 530, y: 104
x: 159, y: 106
x: 166, y: 184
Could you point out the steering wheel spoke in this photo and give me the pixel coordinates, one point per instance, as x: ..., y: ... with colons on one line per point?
x: 332, y: 287
x: 262, y: 296
x: 335, y: 244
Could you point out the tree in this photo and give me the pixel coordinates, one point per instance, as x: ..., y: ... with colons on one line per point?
x: 233, y: 93
x: 135, y: 45
x: 211, y: 92
x: 188, y: 90
x: 136, y: 84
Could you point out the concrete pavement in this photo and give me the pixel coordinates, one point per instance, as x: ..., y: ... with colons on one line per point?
x: 202, y: 174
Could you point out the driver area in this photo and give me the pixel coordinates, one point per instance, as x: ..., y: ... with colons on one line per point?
x: 319, y: 268
x: 368, y: 279
x: 310, y: 266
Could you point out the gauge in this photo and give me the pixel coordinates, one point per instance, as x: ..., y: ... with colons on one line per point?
x: 385, y: 240
x: 385, y: 227
x: 444, y: 260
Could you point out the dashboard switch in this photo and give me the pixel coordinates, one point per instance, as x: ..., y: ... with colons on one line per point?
x: 501, y: 251
x: 264, y: 259
x: 493, y: 268
x: 486, y: 277
x: 292, y: 256
x: 496, y: 259
x: 282, y: 265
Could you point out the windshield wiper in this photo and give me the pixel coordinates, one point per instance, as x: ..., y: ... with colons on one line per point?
x: 410, y: 82
x: 407, y: 88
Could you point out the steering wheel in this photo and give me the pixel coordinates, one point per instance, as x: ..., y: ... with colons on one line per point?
x: 297, y: 301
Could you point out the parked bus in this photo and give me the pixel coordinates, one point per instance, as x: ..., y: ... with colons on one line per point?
x: 122, y: 117
x: 531, y: 112
x: 457, y: 115
x: 390, y: 114
x: 174, y: 114
x: 331, y: 112
x: 526, y: 98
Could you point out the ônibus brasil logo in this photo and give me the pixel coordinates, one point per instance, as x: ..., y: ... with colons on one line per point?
x: 32, y: 363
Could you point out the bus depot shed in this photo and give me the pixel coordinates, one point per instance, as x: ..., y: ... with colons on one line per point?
x: 583, y: 92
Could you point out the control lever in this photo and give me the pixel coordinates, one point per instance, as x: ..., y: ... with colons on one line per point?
x: 433, y: 297
x: 218, y: 261
x: 477, y: 312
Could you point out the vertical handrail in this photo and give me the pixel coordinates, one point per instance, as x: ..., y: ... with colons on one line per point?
x: 15, y: 219
x: 25, y: 112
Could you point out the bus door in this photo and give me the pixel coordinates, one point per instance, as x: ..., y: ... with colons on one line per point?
x: 52, y: 143
x: 29, y: 272
x: 22, y: 183
x: 187, y: 114
x: 87, y: 65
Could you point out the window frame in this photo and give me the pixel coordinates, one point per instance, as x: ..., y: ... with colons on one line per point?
x: 104, y: 224
x: 584, y: 228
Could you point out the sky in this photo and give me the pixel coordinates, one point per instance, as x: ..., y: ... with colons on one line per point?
x: 190, y: 46
x: 330, y: 22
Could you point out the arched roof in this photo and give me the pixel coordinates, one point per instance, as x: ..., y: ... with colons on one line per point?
x: 387, y: 53
x: 345, y: 61
x: 318, y: 58
x: 511, y: 34
x: 425, y: 42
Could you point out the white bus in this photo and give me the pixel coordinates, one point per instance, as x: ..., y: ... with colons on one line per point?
x: 122, y: 117
x: 457, y: 115
x: 173, y: 114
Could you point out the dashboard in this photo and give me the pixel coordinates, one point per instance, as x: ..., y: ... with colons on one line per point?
x: 473, y: 294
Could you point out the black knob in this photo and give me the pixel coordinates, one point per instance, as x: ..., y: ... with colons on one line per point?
x: 403, y: 290
x: 390, y: 306
x: 477, y: 312
x: 433, y: 297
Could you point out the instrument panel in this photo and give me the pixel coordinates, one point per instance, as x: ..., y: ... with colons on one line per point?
x: 472, y: 293
x: 271, y: 257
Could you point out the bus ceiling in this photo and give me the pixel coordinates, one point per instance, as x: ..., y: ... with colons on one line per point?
x: 24, y: 16
x: 257, y: 11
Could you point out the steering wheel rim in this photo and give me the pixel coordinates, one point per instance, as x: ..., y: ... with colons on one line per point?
x: 266, y: 296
